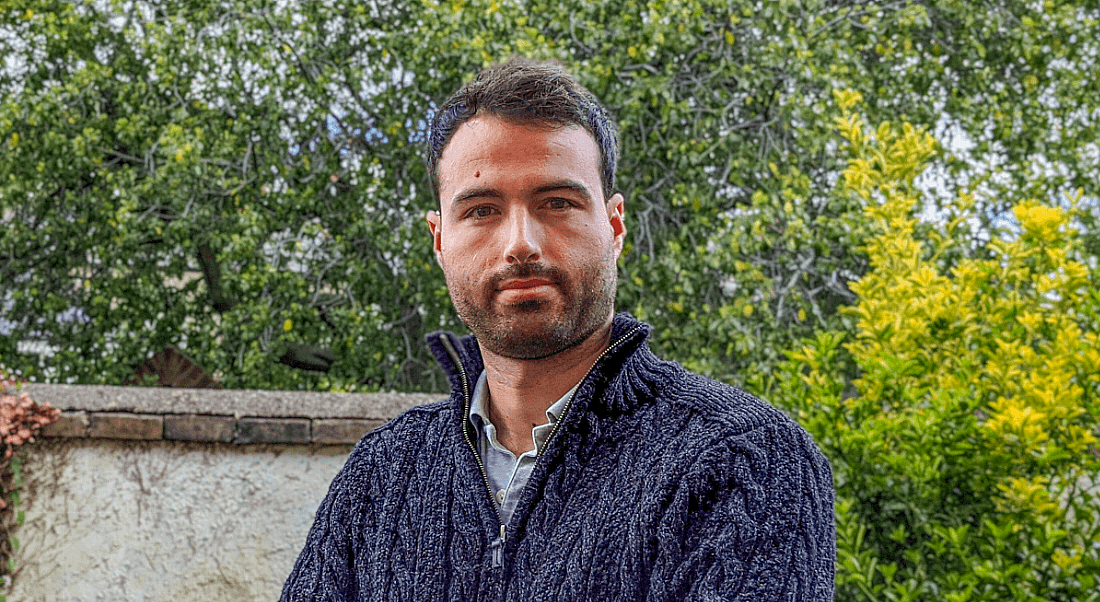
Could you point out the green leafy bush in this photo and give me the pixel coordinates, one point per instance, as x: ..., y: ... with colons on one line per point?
x: 960, y: 416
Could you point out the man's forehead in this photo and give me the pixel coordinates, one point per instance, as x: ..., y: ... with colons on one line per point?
x: 485, y: 139
x: 489, y: 124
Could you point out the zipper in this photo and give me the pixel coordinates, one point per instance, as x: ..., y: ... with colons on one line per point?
x: 497, y: 544
x: 569, y: 404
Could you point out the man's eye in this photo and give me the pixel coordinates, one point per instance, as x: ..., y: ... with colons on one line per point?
x: 560, y: 203
x: 481, y: 212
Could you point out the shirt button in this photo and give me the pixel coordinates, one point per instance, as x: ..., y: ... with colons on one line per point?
x: 500, y: 497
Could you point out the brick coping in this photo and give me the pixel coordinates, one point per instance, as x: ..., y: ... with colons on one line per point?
x: 219, y: 415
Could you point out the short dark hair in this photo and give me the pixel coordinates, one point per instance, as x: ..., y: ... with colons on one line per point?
x: 526, y: 91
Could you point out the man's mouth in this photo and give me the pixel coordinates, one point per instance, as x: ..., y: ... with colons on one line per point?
x: 524, y: 283
x: 525, y: 290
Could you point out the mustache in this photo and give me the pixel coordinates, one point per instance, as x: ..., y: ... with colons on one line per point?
x: 528, y: 270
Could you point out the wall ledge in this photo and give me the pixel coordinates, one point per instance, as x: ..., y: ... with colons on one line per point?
x: 240, y: 416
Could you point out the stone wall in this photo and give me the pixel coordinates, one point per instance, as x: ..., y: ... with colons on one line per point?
x: 158, y: 494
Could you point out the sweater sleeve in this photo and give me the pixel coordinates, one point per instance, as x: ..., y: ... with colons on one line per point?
x: 324, y: 570
x: 768, y: 533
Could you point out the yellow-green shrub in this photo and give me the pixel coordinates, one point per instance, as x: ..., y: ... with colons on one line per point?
x: 960, y: 417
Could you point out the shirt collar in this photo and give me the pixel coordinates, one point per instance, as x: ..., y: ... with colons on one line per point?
x: 479, y: 404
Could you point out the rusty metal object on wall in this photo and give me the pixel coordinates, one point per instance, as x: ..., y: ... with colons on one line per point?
x: 173, y: 369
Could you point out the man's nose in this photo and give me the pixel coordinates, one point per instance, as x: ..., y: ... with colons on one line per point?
x: 524, y: 243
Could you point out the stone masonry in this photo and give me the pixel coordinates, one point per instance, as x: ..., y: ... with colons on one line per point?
x: 219, y: 416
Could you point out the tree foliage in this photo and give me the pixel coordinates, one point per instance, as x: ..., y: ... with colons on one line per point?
x: 147, y: 136
x: 965, y: 453
x: 282, y: 140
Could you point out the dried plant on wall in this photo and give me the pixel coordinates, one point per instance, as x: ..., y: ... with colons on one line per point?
x: 21, y: 420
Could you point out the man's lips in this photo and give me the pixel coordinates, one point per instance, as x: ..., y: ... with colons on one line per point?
x: 523, y: 283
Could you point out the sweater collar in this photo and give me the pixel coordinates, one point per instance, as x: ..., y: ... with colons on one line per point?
x: 627, y: 335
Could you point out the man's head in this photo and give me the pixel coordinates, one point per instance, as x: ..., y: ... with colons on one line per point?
x: 526, y: 233
x: 523, y: 91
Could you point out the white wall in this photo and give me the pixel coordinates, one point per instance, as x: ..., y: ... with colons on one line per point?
x: 166, y: 521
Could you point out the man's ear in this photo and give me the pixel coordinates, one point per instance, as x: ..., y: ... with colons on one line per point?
x: 616, y: 210
x: 434, y: 226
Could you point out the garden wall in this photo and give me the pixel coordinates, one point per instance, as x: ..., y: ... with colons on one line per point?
x: 161, y: 494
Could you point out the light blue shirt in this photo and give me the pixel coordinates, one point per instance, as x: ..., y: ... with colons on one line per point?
x: 507, y: 473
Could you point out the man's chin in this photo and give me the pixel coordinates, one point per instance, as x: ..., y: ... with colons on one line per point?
x: 527, y: 335
x: 525, y: 347
x: 528, y: 323
x: 531, y: 307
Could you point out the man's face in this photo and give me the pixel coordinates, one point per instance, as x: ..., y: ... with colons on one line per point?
x: 526, y: 241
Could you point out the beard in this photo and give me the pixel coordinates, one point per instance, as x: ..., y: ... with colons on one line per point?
x: 538, y: 328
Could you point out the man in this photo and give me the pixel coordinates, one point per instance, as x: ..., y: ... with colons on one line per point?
x: 569, y: 462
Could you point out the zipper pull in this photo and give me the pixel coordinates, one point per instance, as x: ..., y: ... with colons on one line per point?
x: 497, y: 546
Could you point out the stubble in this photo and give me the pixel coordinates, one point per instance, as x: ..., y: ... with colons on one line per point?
x: 536, y: 329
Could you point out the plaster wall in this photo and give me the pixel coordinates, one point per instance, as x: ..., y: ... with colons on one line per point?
x: 166, y: 520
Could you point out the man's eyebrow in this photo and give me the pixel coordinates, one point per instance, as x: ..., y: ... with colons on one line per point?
x: 566, y: 184
x: 481, y: 192
x: 475, y: 193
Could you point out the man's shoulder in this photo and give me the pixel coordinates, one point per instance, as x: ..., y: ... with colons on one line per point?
x: 671, y: 383
x: 719, y: 411
x: 414, y: 423
x: 383, y: 450
x: 644, y: 375
x: 724, y: 402
x: 709, y: 419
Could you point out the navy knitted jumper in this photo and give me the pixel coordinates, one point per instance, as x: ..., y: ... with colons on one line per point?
x: 658, y: 484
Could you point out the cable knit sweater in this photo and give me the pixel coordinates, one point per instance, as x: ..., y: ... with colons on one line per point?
x: 659, y: 484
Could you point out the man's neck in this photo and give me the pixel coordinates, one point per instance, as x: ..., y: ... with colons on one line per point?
x: 520, y: 391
